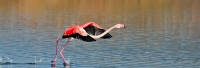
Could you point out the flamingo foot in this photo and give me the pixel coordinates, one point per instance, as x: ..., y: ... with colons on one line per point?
x: 53, y: 65
x: 66, y: 64
x: 53, y: 61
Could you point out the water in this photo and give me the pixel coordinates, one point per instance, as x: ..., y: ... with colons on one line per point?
x: 159, y: 34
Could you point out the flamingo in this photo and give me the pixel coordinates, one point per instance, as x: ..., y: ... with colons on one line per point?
x: 87, y: 32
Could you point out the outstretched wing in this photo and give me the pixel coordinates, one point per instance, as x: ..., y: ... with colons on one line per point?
x: 94, y: 29
x: 91, y: 24
x: 80, y: 37
x: 77, y: 33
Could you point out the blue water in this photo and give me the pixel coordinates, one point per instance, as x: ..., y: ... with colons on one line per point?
x: 128, y: 48
x: 153, y: 39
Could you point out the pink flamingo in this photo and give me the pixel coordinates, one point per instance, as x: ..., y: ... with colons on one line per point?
x: 87, y: 32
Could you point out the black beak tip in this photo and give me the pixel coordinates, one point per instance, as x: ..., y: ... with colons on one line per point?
x: 124, y: 27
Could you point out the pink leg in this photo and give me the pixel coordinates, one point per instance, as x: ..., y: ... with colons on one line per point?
x: 62, y: 51
x: 54, y: 60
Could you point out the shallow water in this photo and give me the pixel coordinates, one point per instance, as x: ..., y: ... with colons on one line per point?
x: 159, y: 34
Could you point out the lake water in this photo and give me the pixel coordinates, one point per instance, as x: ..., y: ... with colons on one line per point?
x: 159, y: 34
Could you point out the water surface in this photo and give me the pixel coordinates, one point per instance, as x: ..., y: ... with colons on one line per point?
x: 159, y: 34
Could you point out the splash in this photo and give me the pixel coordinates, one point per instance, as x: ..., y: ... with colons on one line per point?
x: 5, y: 59
x: 9, y: 59
x: 68, y: 59
x: 39, y: 61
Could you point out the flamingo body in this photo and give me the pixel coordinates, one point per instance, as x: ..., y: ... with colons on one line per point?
x: 82, y: 32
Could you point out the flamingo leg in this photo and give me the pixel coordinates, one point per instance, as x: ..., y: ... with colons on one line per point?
x: 62, y: 51
x: 54, y: 60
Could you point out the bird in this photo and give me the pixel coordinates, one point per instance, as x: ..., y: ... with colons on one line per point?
x: 87, y: 32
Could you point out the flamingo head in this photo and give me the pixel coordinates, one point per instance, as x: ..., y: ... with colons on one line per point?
x: 120, y: 26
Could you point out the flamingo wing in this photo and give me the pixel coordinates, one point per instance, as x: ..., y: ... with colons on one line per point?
x: 94, y: 29
x: 75, y: 32
x: 91, y: 24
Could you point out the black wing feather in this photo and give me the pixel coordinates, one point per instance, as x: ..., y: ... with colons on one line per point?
x: 78, y: 36
x: 96, y: 31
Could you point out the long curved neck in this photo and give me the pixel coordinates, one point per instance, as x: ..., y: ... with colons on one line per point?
x: 101, y: 35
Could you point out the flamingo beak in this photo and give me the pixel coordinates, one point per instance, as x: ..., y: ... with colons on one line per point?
x: 124, y: 27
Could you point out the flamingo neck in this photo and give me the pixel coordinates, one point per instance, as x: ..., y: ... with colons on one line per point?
x: 101, y: 35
